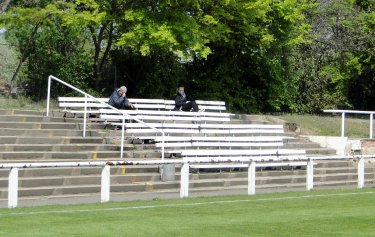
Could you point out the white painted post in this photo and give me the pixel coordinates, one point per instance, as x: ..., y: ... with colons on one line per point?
x: 343, y: 124
x: 84, y: 117
x: 361, y: 172
x: 122, y: 136
x: 13, y: 188
x: 162, y: 145
x: 251, y: 179
x: 184, y: 186
x: 371, y: 124
x: 310, y: 175
x: 105, y: 185
x: 48, y: 95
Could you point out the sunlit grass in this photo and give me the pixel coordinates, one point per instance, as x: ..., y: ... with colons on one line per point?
x: 24, y: 103
x: 330, y: 125
x: 316, y: 213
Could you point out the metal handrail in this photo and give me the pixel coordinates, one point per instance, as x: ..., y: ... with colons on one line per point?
x: 344, y: 112
x: 105, y: 104
x: 251, y: 163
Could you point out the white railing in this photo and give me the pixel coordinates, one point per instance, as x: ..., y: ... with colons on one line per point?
x: 122, y: 112
x: 344, y: 112
x: 250, y: 162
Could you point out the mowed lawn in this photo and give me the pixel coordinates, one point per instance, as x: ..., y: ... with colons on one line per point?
x: 348, y: 212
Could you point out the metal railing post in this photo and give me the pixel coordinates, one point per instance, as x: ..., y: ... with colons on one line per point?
x: 184, y: 184
x: 251, y: 179
x: 105, y: 184
x: 122, y: 137
x: 343, y: 124
x: 13, y: 188
x: 371, y: 124
x: 162, y: 145
x: 84, y: 117
x: 310, y: 175
x: 361, y: 172
x: 48, y: 95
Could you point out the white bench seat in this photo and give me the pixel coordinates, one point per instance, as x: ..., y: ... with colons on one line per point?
x: 219, y: 144
x: 242, y: 152
x: 258, y: 165
x: 165, y: 130
x: 166, y: 113
x: 113, y: 117
x: 76, y: 104
x: 202, y: 104
x: 241, y: 131
x: 222, y: 139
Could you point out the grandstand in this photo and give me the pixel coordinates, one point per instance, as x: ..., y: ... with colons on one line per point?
x: 30, y: 136
x: 86, y: 129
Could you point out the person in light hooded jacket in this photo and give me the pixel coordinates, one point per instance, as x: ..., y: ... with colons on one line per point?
x: 119, y: 100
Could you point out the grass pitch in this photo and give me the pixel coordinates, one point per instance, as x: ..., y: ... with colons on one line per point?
x: 316, y: 213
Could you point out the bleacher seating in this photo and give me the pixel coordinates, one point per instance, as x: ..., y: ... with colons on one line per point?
x: 190, y: 134
x: 76, y: 105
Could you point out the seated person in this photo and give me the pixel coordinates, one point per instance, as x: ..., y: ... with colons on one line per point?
x: 181, y: 101
x: 118, y: 99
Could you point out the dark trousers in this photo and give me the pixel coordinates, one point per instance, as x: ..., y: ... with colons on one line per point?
x: 190, y: 105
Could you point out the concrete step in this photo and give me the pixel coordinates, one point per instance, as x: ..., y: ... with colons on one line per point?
x: 67, y: 171
x: 47, y: 125
x: 321, y: 151
x: 21, y: 112
x: 60, y: 147
x: 72, y: 155
x: 52, y: 140
x: 299, y: 145
x: 46, y: 132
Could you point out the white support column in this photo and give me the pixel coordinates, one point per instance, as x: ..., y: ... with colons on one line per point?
x: 13, y: 188
x: 48, y: 95
x: 84, y: 117
x: 251, y: 179
x: 361, y: 173
x: 122, y: 136
x: 105, y: 185
x: 343, y: 124
x: 184, y: 185
x: 371, y: 124
x: 310, y: 175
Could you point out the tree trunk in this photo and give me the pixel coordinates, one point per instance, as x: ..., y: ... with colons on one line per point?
x: 4, y: 6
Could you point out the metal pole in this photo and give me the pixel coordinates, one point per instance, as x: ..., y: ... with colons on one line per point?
x: 361, y: 173
x: 371, y: 124
x: 343, y: 124
x: 310, y: 175
x: 105, y: 185
x: 184, y: 185
x: 122, y: 137
x: 13, y: 188
x: 48, y: 95
x: 84, y: 117
x: 251, y: 179
x: 162, y: 145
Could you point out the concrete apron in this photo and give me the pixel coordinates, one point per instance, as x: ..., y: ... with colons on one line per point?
x: 345, y: 146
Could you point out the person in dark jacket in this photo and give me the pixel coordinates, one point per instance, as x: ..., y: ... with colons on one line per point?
x: 118, y: 99
x: 181, y: 102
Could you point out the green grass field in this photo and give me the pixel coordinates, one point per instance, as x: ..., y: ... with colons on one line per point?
x: 316, y: 213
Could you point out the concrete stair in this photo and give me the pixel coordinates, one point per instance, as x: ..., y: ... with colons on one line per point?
x: 29, y: 136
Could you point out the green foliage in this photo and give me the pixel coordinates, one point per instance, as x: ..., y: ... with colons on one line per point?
x: 257, y: 55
